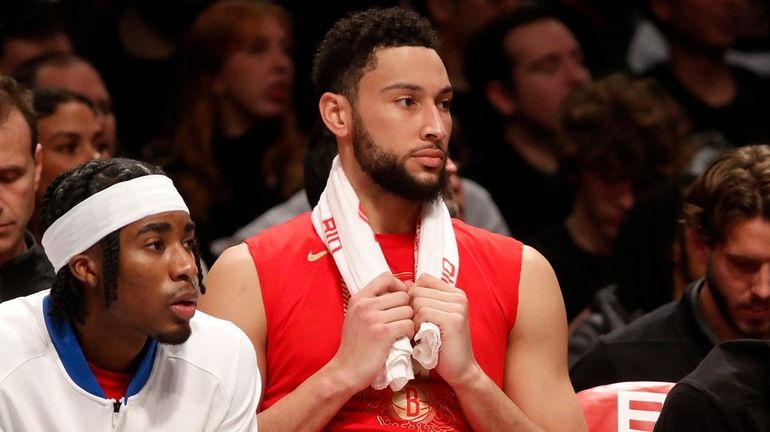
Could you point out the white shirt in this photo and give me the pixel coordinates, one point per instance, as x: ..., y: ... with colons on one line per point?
x: 209, y: 383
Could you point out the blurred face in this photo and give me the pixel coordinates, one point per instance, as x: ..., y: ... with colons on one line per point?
x: 70, y: 136
x: 548, y: 66
x: 402, y: 122
x: 716, y: 25
x: 156, y: 292
x: 255, y: 81
x: 606, y: 203
x: 738, y: 279
x: 19, y: 175
x: 81, y: 77
x: 18, y: 50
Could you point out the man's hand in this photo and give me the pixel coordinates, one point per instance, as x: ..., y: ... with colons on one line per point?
x: 447, y: 307
x: 377, y: 315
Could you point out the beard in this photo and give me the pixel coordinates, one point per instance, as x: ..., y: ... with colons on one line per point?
x: 744, y: 329
x: 389, y: 172
x: 175, y: 337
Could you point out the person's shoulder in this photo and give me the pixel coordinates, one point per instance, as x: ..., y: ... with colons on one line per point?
x: 284, y: 238
x: 22, y: 332
x: 300, y: 225
x: 733, y: 367
x: 467, y: 233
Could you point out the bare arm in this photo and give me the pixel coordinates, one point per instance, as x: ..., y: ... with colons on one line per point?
x: 536, y: 376
x: 376, y: 317
x: 537, y: 394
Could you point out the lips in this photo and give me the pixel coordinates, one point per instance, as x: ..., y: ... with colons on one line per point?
x: 184, y: 305
x: 6, y: 227
x: 278, y: 91
x: 431, y: 158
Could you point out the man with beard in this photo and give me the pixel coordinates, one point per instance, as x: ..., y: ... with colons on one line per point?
x: 331, y: 299
x: 114, y: 343
x: 727, y: 210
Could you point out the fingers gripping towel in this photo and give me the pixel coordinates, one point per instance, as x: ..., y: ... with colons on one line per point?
x: 339, y: 221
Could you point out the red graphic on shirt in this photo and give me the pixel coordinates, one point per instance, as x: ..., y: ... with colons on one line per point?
x: 332, y: 235
x: 414, y: 408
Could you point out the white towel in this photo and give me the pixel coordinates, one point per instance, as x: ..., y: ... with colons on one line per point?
x: 340, y: 222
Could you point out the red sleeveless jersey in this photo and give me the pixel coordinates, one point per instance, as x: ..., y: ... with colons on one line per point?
x: 304, y: 298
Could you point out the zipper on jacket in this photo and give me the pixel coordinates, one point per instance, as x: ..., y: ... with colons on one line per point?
x: 115, y: 411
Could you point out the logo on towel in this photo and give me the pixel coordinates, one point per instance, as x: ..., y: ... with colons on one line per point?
x: 315, y: 256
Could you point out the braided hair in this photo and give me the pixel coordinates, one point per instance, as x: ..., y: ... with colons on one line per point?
x: 64, y: 193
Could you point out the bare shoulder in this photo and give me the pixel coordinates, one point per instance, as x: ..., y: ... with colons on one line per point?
x: 234, y: 271
x: 541, y: 308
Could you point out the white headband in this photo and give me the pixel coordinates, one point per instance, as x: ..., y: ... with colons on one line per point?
x: 106, y: 211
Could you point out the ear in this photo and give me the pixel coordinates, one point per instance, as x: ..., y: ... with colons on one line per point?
x: 38, y: 160
x: 336, y: 113
x: 699, y: 245
x: 85, y: 269
x: 501, y: 98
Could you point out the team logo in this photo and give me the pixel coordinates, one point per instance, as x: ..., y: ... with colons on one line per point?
x: 412, y: 404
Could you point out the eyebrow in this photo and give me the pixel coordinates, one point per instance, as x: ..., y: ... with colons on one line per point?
x: 413, y: 87
x: 162, y: 227
x: 159, y: 227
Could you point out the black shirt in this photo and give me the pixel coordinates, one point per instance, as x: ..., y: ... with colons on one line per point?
x: 663, y: 345
x: 581, y: 274
x: 729, y: 391
x: 741, y: 122
x: 528, y: 199
x: 27, y: 273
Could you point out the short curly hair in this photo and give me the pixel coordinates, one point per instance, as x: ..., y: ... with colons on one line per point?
x: 65, y: 192
x: 349, y: 47
x: 624, y: 128
x: 734, y: 187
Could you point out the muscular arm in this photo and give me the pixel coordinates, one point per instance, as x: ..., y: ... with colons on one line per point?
x: 536, y: 376
x: 537, y: 394
x: 377, y: 316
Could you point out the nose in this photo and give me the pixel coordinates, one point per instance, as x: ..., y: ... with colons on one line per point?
x: 577, y: 74
x: 91, y: 152
x: 761, y: 286
x: 281, y: 60
x: 437, y: 124
x: 183, y: 266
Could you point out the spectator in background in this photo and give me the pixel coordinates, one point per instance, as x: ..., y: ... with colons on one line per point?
x: 24, y: 268
x: 727, y: 210
x: 135, y: 45
x: 69, y: 132
x: 727, y: 104
x: 622, y: 137
x: 524, y: 64
x: 652, y: 262
x: 29, y: 28
x: 68, y: 71
x: 232, y: 146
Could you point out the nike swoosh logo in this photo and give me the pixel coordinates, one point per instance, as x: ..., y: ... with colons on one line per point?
x: 312, y: 257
